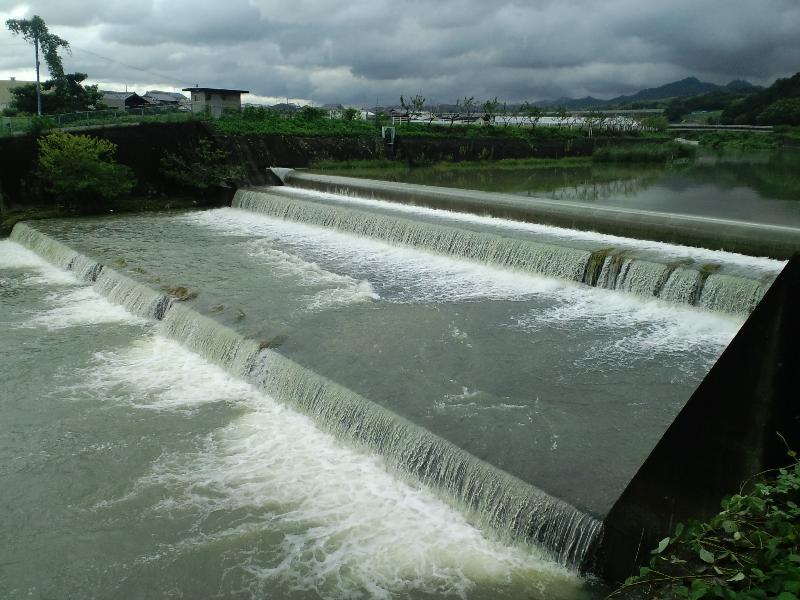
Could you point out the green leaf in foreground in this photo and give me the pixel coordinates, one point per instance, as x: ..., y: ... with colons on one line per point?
x: 706, y: 556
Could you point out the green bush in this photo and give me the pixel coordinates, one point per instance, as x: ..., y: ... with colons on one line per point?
x: 750, y: 550
x: 741, y: 141
x: 649, y: 152
x: 658, y: 123
x: 785, y: 111
x: 205, y: 167
x: 81, y: 171
x: 39, y: 125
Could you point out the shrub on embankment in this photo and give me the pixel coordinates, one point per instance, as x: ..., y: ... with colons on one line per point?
x: 142, y: 148
x: 749, y: 551
x: 641, y: 153
x: 82, y: 170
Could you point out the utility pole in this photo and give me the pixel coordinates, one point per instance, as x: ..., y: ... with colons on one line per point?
x: 38, y: 86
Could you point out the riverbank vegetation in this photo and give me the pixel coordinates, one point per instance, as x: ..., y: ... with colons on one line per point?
x: 507, y: 163
x: 81, y: 170
x: 749, y: 551
x: 127, y: 204
x: 644, y: 153
x: 314, y: 122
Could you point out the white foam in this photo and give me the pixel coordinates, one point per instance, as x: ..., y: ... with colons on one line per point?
x: 79, y: 306
x: 157, y: 373
x: 648, y: 328
x: 348, y: 528
x: 670, y: 251
x: 336, y: 290
x: 16, y: 256
x: 409, y: 275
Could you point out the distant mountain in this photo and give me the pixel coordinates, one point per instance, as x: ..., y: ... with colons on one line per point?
x: 691, y: 86
x: 740, y: 84
x: 779, y: 104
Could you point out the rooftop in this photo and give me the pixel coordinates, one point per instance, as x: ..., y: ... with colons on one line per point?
x: 215, y: 90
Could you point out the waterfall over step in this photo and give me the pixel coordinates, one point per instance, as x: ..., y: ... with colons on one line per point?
x: 754, y: 239
x: 53, y: 251
x: 488, y: 495
x: 546, y: 259
x: 135, y: 297
x: 604, y: 268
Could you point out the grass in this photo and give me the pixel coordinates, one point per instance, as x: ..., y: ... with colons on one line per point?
x: 785, y: 132
x: 345, y: 165
x: 310, y: 122
x: 13, y: 216
x: 643, y: 153
x: 507, y: 163
x: 703, y: 117
x: 130, y: 204
x: 19, y: 125
x: 739, y: 141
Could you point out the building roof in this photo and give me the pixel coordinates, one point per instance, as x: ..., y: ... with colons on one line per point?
x: 118, y: 99
x: 215, y: 90
x: 160, y: 96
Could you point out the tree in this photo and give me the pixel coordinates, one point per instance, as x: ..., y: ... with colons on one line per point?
x: 205, y: 167
x: 67, y: 95
x: 531, y: 113
x: 351, y: 114
x: 35, y: 30
x: 81, y: 171
x: 562, y: 115
x: 785, y: 111
x: 490, y: 108
x: 415, y: 105
x: 469, y: 107
x: 655, y: 123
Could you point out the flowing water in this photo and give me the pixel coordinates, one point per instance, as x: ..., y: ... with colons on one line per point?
x: 348, y: 402
x: 134, y: 468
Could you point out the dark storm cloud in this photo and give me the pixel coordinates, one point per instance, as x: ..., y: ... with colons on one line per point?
x: 326, y: 50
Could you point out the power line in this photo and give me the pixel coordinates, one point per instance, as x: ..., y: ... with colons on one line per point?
x: 114, y: 60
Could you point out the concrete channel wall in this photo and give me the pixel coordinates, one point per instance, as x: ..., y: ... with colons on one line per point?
x: 726, y: 433
x: 717, y: 234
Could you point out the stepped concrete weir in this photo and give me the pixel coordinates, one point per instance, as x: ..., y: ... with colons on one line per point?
x: 590, y: 262
x: 562, y: 389
x: 756, y: 239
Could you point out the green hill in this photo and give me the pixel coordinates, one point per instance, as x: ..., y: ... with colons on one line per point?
x: 779, y: 104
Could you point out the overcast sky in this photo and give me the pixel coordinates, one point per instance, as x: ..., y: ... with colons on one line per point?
x: 357, y: 51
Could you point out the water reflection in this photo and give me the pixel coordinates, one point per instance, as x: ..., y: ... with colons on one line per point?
x: 760, y: 187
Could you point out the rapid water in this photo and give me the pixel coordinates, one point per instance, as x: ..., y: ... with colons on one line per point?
x: 642, y: 268
x: 515, y: 398
x: 133, y: 467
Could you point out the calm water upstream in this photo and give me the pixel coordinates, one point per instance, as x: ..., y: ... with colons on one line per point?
x: 760, y: 187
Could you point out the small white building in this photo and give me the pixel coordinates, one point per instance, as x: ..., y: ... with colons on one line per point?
x: 215, y: 101
x: 6, y: 85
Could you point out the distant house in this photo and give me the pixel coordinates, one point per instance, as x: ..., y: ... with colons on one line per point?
x: 123, y: 100
x: 399, y: 115
x: 6, y: 85
x: 175, y: 99
x: 335, y: 111
x: 215, y: 101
